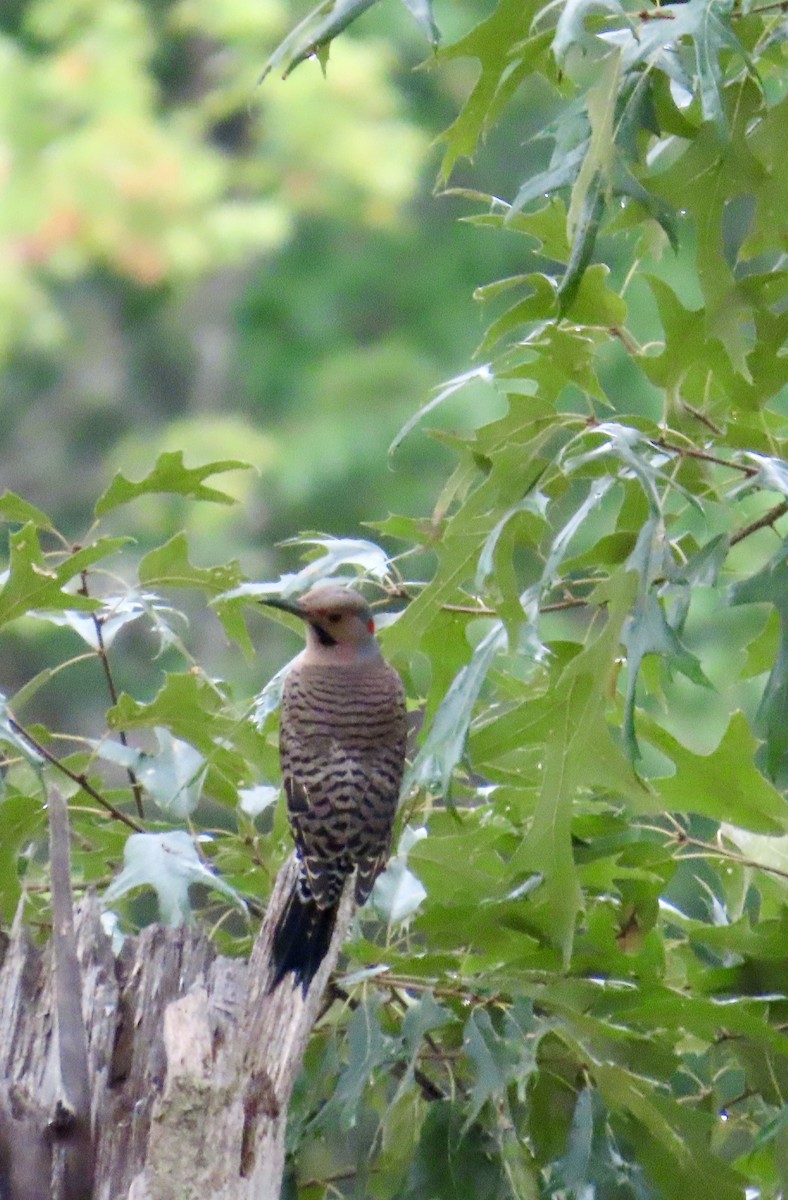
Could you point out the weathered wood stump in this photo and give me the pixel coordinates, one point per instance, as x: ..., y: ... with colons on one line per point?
x: 190, y: 1064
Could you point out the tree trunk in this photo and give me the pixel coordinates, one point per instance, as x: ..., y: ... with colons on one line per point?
x: 190, y: 1064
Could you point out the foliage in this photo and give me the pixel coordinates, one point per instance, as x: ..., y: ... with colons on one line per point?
x: 590, y: 1000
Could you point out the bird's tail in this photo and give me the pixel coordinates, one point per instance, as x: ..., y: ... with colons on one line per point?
x: 301, y: 939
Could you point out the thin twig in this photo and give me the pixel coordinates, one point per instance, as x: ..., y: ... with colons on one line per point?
x: 774, y: 6
x: 559, y: 605
x: 80, y: 780
x: 470, y: 609
x: 731, y: 856
x: 555, y: 606
x: 681, y: 839
x: 422, y: 985
x: 102, y: 653
x: 700, y: 416
x: 763, y: 522
x: 623, y: 335
x: 747, y: 1094
x: 340, y: 1177
x: 659, y: 14
x: 691, y: 452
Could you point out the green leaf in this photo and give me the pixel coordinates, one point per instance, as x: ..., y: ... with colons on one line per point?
x: 398, y: 893
x: 648, y: 632
x: 187, y: 705
x: 114, y: 614
x: 707, y: 24
x: 421, y: 1018
x: 368, y: 1049
x: 29, y: 689
x: 724, y: 785
x: 577, y: 750
x: 16, y: 510
x: 482, y: 1046
x: 314, y: 33
x: 597, y: 491
x: 442, y: 748
x: 255, y: 800
x: 498, y: 1057
x: 561, y: 173
x: 625, y: 184
x: 421, y: 11
x: 491, y: 42
x: 169, y: 863
x: 772, y: 475
x: 12, y: 737
x: 573, y: 1168
x: 448, y: 1164
x: 169, y: 566
x: 539, y: 306
x: 173, y: 777
x: 585, y: 230
x: 770, y: 585
x: 332, y: 553
x: 592, y: 301
x: 328, y: 553
x: 170, y: 476
x: 267, y: 701
x: 22, y: 819
x: 691, y: 357
x: 673, y: 1140
x: 34, y: 582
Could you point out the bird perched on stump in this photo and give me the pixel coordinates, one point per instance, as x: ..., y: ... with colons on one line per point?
x: 342, y: 750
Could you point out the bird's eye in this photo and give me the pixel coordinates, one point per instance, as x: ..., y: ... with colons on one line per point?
x: 334, y: 617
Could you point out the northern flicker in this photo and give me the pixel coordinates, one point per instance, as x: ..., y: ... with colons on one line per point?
x: 342, y: 750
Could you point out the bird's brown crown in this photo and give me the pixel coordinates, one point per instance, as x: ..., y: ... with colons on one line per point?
x: 330, y: 599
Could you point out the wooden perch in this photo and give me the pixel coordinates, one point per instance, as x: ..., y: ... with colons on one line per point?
x: 188, y: 1061
x: 68, y: 1101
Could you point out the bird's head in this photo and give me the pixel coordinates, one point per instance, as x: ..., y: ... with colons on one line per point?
x: 339, y: 621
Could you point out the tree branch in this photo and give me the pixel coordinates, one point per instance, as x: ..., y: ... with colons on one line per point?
x: 81, y: 780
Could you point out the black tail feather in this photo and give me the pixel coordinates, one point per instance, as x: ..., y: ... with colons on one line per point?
x: 301, y: 940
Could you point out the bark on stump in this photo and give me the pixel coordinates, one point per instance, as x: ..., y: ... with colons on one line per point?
x: 191, y: 1063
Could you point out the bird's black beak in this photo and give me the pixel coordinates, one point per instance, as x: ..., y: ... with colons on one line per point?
x: 288, y: 606
x: 292, y: 606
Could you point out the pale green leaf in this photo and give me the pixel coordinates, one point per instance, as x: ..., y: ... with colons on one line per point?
x: 421, y: 11
x: 169, y: 863
x: 314, y: 33
x: 171, y: 477
x: 257, y: 799
x: 482, y: 374
x: 443, y: 746
x: 398, y: 893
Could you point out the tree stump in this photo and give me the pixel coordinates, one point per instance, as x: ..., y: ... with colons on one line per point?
x: 190, y: 1063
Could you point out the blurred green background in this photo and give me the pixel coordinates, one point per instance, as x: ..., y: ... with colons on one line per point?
x: 194, y: 262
